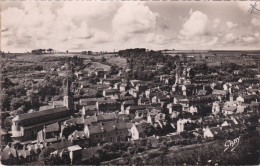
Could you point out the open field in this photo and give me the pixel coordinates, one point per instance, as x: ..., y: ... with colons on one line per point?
x: 118, y: 61
x: 28, y: 57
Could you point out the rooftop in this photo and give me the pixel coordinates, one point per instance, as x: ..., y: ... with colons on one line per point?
x: 39, y: 113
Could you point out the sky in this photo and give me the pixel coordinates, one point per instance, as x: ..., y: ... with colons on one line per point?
x: 116, y: 25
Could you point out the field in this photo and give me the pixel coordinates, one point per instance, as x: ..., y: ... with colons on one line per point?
x: 118, y: 61
x: 99, y: 65
x: 36, y: 58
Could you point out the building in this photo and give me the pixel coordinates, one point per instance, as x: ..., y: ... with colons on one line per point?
x: 25, y: 126
x: 137, y: 132
x: 114, y: 131
x: 216, y: 107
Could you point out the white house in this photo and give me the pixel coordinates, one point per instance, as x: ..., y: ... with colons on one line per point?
x: 137, y: 132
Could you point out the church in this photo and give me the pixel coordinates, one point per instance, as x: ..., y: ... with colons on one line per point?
x: 25, y: 126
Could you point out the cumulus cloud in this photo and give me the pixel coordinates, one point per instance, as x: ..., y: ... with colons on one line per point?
x: 69, y: 25
x: 231, y: 25
x: 197, y: 31
x: 89, y: 25
x: 195, y: 25
x: 63, y: 25
x: 132, y: 19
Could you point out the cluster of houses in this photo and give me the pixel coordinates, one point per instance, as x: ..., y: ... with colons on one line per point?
x: 170, y: 108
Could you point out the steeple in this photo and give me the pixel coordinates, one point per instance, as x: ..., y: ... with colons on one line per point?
x: 68, y: 98
x: 67, y: 88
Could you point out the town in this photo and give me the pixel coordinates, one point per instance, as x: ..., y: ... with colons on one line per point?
x: 133, y: 106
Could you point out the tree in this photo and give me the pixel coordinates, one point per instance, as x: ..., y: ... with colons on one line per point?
x: 148, y: 129
x: 103, y: 59
x: 56, y: 160
x: 7, y: 123
x: 50, y: 50
x: 164, y: 149
x: 45, y: 155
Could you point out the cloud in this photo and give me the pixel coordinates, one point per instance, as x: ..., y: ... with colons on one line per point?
x: 245, y: 5
x: 93, y: 25
x: 132, y: 19
x: 231, y: 25
x: 53, y: 24
x: 256, y: 21
x: 197, y: 31
x: 195, y: 25
x: 216, y: 22
x: 69, y: 25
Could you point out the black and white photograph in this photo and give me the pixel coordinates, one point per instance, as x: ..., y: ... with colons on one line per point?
x: 138, y: 83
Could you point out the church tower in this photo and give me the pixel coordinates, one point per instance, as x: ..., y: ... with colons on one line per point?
x: 68, y: 99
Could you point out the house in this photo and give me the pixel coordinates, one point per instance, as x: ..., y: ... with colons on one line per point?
x: 214, y: 132
x: 72, y: 124
x: 71, y: 152
x: 181, y: 123
x: 126, y: 104
x: 185, y: 104
x: 90, y: 119
x: 105, y: 117
x: 61, y: 145
x: 248, y: 98
x: 124, y: 87
x: 136, y: 82
x: 249, y: 80
x: 9, y: 156
x: 255, y: 106
x: 166, y: 79
x: 89, y: 110
x: 240, y: 99
x: 113, y: 131
x: 134, y: 108
x: 79, y: 138
x: 151, y: 115
x: 189, y: 89
x: 137, y: 132
x: 109, y: 105
x: 174, y: 108
x: 144, y: 101
x: 109, y: 81
x: 229, y: 110
x: 126, y: 96
x: 134, y: 92
x: 141, y: 114
x: 202, y: 92
x: 89, y: 101
x: 193, y: 110
x: 217, y: 107
x: 49, y: 131
x: 222, y: 94
x: 112, y: 93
